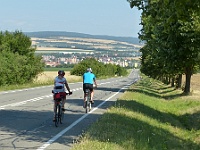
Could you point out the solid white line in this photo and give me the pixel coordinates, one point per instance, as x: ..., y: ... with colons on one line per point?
x: 45, y: 145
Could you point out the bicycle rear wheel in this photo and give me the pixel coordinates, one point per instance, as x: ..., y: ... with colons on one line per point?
x: 90, y: 104
x: 86, y: 104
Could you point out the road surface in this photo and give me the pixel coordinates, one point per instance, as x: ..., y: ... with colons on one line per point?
x: 26, y: 115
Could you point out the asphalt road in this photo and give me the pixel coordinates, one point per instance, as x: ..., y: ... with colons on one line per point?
x: 26, y: 115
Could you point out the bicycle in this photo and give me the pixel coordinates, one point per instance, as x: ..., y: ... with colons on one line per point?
x: 59, y: 112
x: 88, y: 104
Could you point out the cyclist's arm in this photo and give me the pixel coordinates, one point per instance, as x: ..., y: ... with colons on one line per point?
x: 67, y: 86
x: 54, y: 82
x: 95, y: 82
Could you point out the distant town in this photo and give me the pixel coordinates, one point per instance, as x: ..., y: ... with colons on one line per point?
x: 58, y: 50
x: 51, y: 60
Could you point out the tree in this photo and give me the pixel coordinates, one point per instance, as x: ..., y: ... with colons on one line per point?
x: 18, y: 62
x: 171, y: 30
x: 98, y: 68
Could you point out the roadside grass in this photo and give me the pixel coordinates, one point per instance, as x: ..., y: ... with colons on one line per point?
x: 43, y: 79
x: 149, y: 116
x: 47, y: 78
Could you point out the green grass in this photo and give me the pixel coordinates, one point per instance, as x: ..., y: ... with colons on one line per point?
x: 22, y: 86
x: 149, y: 116
x: 30, y: 85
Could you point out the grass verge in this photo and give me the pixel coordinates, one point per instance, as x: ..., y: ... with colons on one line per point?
x: 43, y: 79
x: 149, y: 116
x: 47, y: 78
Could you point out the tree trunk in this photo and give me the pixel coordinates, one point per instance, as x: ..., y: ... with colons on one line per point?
x: 179, y: 81
x: 172, y: 83
x: 187, y: 80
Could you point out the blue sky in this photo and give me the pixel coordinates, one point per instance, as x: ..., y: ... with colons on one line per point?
x: 96, y: 17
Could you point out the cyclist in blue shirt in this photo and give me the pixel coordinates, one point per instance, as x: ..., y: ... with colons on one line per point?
x: 88, y: 80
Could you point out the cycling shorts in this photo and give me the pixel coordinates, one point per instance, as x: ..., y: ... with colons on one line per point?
x: 87, y: 86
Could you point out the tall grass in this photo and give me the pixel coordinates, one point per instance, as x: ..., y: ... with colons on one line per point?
x: 149, y: 116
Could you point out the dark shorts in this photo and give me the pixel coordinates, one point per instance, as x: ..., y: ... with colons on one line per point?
x: 87, y: 86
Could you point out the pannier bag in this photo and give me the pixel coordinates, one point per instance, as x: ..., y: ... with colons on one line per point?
x: 60, y: 95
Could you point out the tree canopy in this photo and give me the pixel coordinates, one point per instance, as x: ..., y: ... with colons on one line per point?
x: 171, y: 31
x: 18, y: 63
x: 98, y: 68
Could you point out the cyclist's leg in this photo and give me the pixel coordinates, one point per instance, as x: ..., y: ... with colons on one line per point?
x: 54, y: 110
x: 91, y: 93
x: 63, y: 101
x: 84, y: 89
x: 84, y: 95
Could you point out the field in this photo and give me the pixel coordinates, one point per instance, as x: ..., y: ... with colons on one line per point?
x: 48, y: 77
x: 94, y: 43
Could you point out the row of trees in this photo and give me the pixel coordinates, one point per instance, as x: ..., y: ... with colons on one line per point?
x: 98, y: 68
x: 18, y: 63
x: 171, y: 31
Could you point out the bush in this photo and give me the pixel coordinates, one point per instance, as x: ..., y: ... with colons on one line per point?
x: 98, y: 68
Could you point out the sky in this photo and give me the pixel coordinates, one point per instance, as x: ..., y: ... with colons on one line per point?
x: 95, y: 17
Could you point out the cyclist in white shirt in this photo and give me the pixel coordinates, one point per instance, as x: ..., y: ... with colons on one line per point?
x: 60, y: 83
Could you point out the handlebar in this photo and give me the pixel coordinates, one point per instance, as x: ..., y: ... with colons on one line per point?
x: 70, y: 93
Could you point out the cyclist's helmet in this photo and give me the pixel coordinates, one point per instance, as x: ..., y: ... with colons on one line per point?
x: 61, y: 72
x: 89, y: 69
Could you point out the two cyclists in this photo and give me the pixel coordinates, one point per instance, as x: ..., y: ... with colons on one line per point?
x: 89, y: 79
x: 60, y: 82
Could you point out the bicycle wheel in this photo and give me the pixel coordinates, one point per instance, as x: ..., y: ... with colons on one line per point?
x: 89, y: 104
x: 86, y: 104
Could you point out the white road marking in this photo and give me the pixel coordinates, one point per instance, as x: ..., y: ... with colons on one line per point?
x: 30, y: 100
x: 24, y: 102
x: 34, y: 99
x: 24, y: 89
x: 53, y: 139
